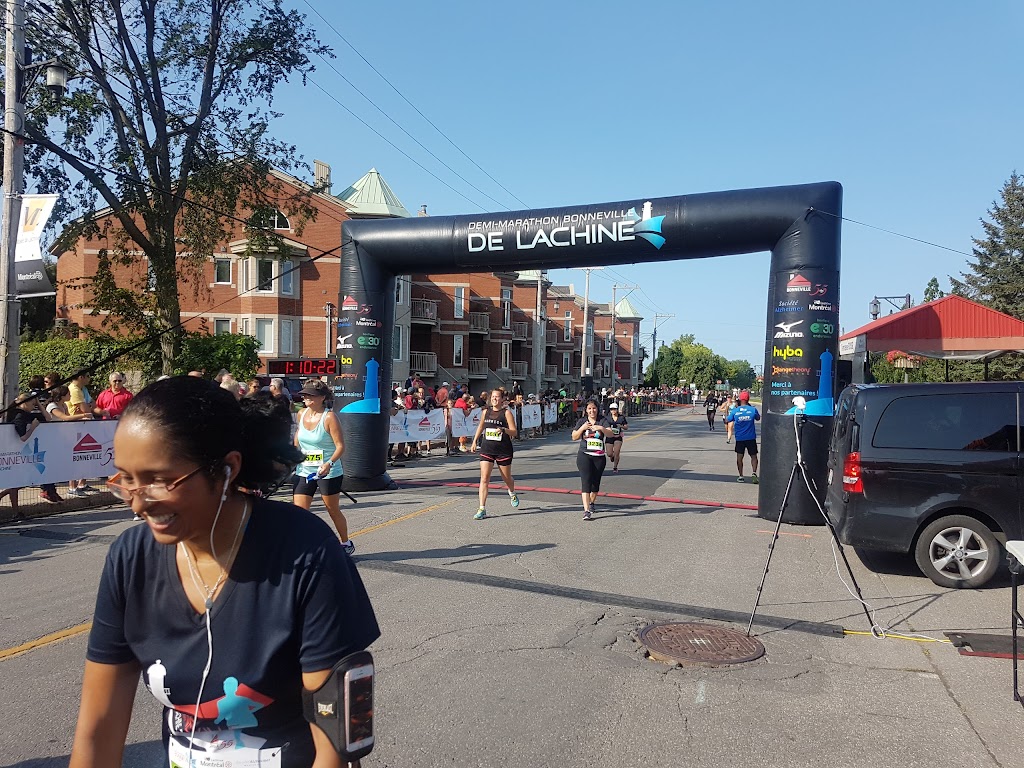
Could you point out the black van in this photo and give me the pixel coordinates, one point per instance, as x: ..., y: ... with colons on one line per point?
x: 933, y: 469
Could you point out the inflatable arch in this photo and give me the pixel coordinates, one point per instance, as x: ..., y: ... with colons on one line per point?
x: 799, y: 225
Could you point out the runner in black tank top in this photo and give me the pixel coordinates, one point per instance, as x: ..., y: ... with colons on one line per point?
x: 494, y: 438
x: 591, y: 431
x: 613, y: 444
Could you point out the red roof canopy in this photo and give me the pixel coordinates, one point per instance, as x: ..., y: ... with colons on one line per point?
x: 949, y: 327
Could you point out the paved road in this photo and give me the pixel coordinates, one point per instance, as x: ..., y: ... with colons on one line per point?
x: 514, y: 640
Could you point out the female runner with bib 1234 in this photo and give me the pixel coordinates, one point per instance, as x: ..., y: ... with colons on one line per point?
x: 497, y: 427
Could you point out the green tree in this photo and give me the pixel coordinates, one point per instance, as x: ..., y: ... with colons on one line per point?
x: 932, y: 290
x: 740, y: 373
x: 170, y: 101
x: 668, y: 360
x: 996, y: 276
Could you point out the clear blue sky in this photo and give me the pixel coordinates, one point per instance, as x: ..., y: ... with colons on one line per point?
x: 914, y: 107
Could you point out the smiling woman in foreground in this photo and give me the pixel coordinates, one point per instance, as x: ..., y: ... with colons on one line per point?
x: 227, y: 604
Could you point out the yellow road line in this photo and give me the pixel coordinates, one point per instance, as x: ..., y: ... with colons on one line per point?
x: 399, y: 519
x: 49, y: 639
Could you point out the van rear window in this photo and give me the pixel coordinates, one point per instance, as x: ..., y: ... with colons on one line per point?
x: 982, y: 421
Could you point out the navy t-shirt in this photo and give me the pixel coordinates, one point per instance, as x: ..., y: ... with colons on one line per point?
x: 591, y: 441
x: 294, y: 603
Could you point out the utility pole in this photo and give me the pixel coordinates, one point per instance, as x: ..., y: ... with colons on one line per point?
x: 654, y: 341
x: 586, y: 325
x: 13, y: 173
x: 539, y: 339
x: 615, y: 338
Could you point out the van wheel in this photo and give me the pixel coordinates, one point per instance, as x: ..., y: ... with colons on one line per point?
x: 958, y: 552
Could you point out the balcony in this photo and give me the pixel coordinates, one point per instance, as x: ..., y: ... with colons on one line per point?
x: 520, y: 370
x: 520, y: 331
x: 423, y: 362
x: 478, y: 368
x: 550, y: 372
x: 551, y: 338
x: 479, y: 322
x: 424, y: 311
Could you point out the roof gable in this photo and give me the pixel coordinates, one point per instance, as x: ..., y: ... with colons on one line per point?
x: 372, y: 197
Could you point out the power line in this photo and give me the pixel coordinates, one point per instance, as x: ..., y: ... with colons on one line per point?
x: 895, y: 234
x: 417, y: 110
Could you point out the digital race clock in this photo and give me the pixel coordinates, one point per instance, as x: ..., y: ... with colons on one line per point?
x: 304, y: 366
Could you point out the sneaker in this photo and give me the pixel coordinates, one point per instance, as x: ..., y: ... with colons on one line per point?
x: 136, y: 519
x: 480, y: 514
x: 593, y: 506
x: 349, y: 547
x: 753, y: 478
x: 728, y: 440
x: 740, y: 479
x: 587, y: 515
x: 513, y: 499
x: 53, y: 498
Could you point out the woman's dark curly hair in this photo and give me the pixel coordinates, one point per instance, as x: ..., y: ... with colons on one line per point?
x: 202, y: 422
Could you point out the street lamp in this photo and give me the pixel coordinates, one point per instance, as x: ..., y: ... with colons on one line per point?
x: 875, y: 307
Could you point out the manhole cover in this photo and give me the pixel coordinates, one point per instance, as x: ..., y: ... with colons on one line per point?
x: 692, y: 643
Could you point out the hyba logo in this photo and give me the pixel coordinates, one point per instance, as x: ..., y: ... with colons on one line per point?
x: 786, y: 352
x: 345, y: 360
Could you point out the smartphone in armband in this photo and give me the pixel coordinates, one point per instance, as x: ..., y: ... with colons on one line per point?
x: 359, y: 709
x: 343, y: 706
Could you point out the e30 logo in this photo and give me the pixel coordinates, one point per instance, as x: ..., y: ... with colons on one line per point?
x: 369, y: 341
x: 786, y: 352
x: 828, y: 328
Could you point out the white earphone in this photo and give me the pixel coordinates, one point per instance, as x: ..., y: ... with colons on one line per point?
x: 227, y: 482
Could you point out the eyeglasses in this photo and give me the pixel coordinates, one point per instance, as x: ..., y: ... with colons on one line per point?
x: 308, y: 396
x: 149, y: 493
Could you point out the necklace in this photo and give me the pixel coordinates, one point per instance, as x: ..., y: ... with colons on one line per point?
x: 193, y: 569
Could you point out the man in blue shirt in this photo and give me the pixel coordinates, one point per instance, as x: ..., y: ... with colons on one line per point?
x: 743, y: 418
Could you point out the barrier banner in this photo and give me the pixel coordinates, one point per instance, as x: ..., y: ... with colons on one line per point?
x: 551, y: 414
x: 531, y: 416
x: 414, y: 426
x: 463, y: 425
x: 56, y: 452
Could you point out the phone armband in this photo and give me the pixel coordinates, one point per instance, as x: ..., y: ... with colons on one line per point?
x: 343, y: 706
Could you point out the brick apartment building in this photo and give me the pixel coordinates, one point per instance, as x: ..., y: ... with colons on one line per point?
x: 478, y: 327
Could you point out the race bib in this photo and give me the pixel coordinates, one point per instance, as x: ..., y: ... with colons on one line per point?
x: 224, y: 753
x: 595, y: 445
x: 492, y: 433
x: 313, y: 460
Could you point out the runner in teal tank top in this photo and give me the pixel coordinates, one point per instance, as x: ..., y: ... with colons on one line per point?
x: 319, y: 438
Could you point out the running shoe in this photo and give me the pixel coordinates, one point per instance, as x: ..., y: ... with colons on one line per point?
x: 52, y: 498
x: 728, y: 440
x: 753, y: 478
x: 513, y: 499
x: 740, y: 479
x: 593, y: 506
x: 587, y: 515
x: 349, y: 547
x: 481, y: 514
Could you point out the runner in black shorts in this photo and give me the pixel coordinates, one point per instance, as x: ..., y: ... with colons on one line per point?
x: 711, y: 406
x: 498, y: 427
x: 744, y: 418
x: 591, y: 431
x: 613, y: 444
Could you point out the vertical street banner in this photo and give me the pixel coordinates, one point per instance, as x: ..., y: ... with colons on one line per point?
x: 28, y: 255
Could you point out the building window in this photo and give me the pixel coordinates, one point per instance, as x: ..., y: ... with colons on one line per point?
x: 264, y: 275
x: 632, y: 369
x: 287, y: 277
x: 568, y: 325
x: 566, y: 362
x: 590, y: 335
x: 506, y: 355
x: 607, y: 368
x: 608, y: 341
x: 270, y: 219
x: 396, y: 342
x: 590, y: 365
x: 635, y: 345
x: 460, y: 303
x: 265, y: 335
x: 221, y: 326
x: 457, y: 350
x: 222, y: 271
x: 506, y: 307
x: 399, y: 291
x: 287, y: 330
x: 243, y: 326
